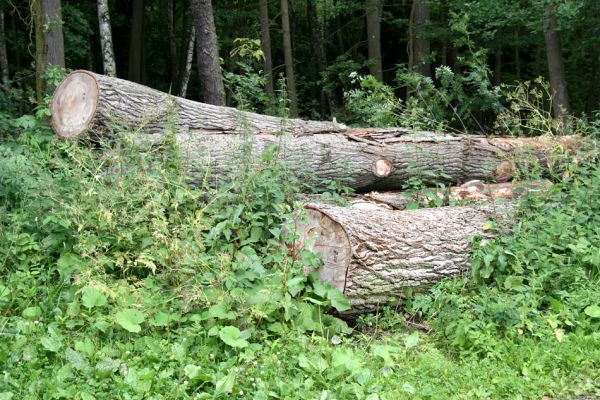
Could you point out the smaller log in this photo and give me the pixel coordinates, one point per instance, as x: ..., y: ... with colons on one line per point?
x: 374, y: 255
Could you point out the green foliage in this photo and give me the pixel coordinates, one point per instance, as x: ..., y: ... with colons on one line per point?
x: 540, y: 282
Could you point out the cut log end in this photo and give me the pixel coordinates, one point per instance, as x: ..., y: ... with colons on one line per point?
x: 74, y: 104
x: 382, y: 168
x: 324, y: 236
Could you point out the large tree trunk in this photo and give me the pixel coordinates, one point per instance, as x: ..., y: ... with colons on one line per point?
x: 373, y: 8
x: 373, y: 159
x: 289, y: 59
x: 3, y: 54
x: 265, y: 42
x: 106, y: 42
x: 50, y: 48
x: 375, y: 256
x: 136, y: 43
x: 421, y: 46
x: 207, y: 53
x: 556, y: 69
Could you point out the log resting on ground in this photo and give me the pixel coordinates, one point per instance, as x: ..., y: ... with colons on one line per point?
x: 86, y: 101
x: 363, y: 159
x: 373, y: 256
x: 373, y: 159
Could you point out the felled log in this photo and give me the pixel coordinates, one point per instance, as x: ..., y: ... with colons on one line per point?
x: 86, y: 101
x: 363, y: 159
x: 374, y: 159
x: 374, y: 255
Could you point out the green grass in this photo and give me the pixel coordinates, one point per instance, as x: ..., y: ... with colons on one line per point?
x: 117, y: 280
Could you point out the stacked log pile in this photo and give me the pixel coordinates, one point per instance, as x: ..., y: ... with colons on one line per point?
x: 372, y: 254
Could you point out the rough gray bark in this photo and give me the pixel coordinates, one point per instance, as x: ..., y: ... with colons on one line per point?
x: 86, y: 101
x: 207, y: 53
x: 421, y: 46
x: 136, y: 44
x: 373, y: 159
x: 373, y: 8
x: 365, y: 161
x: 106, y: 42
x: 289, y: 59
x: 4, y: 73
x: 374, y: 255
x: 187, y: 69
x: 556, y: 69
x: 265, y: 42
x: 49, y: 46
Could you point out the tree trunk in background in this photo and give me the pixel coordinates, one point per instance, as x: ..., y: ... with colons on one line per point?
x: 136, y: 44
x: 498, y: 67
x: 172, y: 65
x: 106, y: 42
x: 207, y: 53
x: 289, y: 60
x: 3, y: 54
x: 50, y: 47
x: 517, y: 57
x: 184, y: 79
x: 421, y: 46
x: 373, y: 256
x: 265, y: 42
x: 556, y: 69
x: 318, y: 44
x: 373, y: 9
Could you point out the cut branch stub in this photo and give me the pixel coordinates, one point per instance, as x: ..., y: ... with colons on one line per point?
x: 382, y: 168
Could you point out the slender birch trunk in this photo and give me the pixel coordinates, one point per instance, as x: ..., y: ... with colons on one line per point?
x: 187, y: 70
x: 106, y: 42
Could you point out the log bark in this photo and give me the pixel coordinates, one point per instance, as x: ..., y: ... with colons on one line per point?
x: 375, y: 256
x: 468, y: 192
x: 86, y: 102
x: 374, y: 159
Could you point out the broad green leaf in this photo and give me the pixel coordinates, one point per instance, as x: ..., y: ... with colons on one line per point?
x: 221, y: 311
x: 225, y: 385
x: 411, y: 340
x: 130, y: 320
x: 92, y: 297
x: 232, y: 337
x: 337, y: 299
x: 592, y: 311
x: 77, y: 360
x: 52, y: 343
x: 32, y: 313
x: 4, y: 293
x: 296, y: 284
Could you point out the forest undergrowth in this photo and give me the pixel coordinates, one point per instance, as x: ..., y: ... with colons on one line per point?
x: 119, y: 280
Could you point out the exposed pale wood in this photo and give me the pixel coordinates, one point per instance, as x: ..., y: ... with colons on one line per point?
x: 374, y: 255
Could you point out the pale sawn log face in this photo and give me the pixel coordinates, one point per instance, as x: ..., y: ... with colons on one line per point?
x: 390, y: 251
